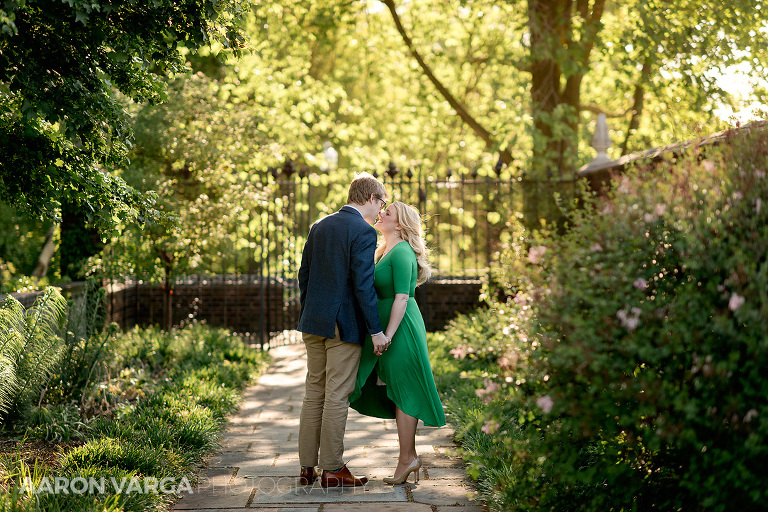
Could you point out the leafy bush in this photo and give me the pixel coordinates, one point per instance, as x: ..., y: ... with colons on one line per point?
x: 642, y: 384
x: 30, y: 349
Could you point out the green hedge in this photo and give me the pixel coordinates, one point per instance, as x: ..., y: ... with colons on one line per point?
x: 629, y: 370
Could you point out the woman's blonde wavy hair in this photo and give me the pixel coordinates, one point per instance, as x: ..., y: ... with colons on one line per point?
x: 412, y: 231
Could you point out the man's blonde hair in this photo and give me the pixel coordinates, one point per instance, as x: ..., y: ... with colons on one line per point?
x: 363, y: 186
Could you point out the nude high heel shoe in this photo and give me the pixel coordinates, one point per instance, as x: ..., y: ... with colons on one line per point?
x: 402, y: 477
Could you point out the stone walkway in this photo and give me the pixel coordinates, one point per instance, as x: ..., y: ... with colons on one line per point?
x: 257, y: 467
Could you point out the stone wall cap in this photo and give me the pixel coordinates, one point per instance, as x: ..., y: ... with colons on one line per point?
x: 654, y: 154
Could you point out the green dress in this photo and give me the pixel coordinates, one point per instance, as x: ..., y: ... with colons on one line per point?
x: 404, y: 367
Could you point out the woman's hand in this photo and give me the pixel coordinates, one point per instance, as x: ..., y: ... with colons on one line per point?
x: 380, y: 343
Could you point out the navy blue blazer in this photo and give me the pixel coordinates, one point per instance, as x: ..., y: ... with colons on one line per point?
x: 336, y: 278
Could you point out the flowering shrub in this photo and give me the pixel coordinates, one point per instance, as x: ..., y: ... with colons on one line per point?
x: 642, y: 383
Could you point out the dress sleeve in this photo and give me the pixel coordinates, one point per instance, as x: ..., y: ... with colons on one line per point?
x: 402, y: 269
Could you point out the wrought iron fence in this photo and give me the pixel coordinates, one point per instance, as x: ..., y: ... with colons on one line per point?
x: 251, y: 287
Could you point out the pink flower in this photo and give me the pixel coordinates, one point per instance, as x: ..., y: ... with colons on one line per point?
x: 596, y: 248
x: 640, y: 283
x: 660, y: 210
x: 490, y: 427
x: 735, y: 302
x: 629, y: 320
x: 489, y: 388
x: 535, y: 254
x: 520, y: 298
x: 545, y: 403
x: 459, y: 352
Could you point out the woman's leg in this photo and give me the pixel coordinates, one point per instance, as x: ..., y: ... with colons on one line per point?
x: 406, y: 436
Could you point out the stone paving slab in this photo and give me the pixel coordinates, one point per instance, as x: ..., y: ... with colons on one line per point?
x: 309, y: 508
x: 257, y: 465
x: 442, y: 492
x: 382, y: 507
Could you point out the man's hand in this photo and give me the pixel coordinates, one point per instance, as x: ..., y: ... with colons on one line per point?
x: 380, y: 343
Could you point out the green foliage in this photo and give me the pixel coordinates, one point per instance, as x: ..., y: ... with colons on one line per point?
x: 60, y: 118
x: 55, y: 423
x: 340, y: 73
x: 30, y: 349
x: 642, y: 385
x: 21, y: 241
x: 656, y: 342
x: 88, y: 343
x: 167, y: 418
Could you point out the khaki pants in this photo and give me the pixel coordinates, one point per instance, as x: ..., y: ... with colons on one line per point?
x: 331, y: 373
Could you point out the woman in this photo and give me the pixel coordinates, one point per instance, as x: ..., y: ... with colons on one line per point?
x: 398, y: 383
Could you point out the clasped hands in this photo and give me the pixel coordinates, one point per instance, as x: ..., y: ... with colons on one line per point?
x: 380, y: 343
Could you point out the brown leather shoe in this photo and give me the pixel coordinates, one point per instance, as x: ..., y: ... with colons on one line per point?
x: 341, y: 478
x: 307, y: 476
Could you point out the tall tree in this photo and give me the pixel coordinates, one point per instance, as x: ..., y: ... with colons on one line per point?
x: 648, y: 48
x: 63, y: 125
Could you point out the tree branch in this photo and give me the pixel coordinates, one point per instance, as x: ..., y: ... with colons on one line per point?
x: 597, y: 109
x: 461, y: 110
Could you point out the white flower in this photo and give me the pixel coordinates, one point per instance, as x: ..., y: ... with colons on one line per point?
x: 545, y: 403
x: 735, y: 302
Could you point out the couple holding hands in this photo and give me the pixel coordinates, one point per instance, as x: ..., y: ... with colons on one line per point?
x: 350, y: 288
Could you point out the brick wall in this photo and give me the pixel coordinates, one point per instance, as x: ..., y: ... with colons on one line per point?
x: 260, y: 308
x: 440, y: 300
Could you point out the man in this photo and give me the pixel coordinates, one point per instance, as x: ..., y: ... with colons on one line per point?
x: 338, y: 309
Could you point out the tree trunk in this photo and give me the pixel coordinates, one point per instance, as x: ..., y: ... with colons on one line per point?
x: 78, y: 241
x: 637, y: 105
x: 546, y: 23
x: 46, y: 255
x: 167, y: 261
